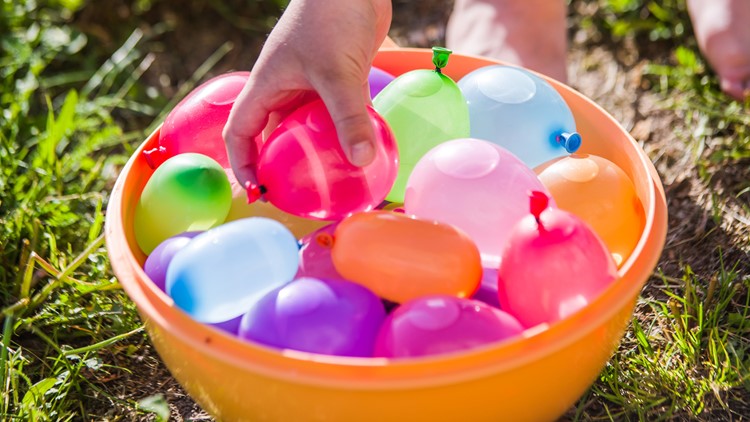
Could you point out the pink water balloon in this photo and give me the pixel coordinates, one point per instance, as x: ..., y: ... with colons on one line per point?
x: 553, y: 265
x: 476, y: 186
x: 196, y: 123
x: 434, y: 325
x: 315, y: 258
x: 303, y: 170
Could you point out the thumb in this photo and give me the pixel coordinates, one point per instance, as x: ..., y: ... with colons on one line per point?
x: 347, y: 105
x: 241, y: 134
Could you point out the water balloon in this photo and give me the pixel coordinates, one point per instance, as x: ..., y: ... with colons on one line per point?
x: 378, y: 79
x: 240, y: 208
x: 158, y: 260
x: 601, y: 194
x: 222, y: 272
x: 474, y: 185
x: 196, y: 123
x: 401, y: 258
x: 315, y: 259
x: 302, y: 168
x: 435, y: 325
x: 521, y: 112
x: 318, y: 316
x: 487, y: 291
x: 188, y: 192
x: 423, y: 108
x: 553, y: 265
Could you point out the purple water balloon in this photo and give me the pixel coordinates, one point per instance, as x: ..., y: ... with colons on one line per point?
x: 487, y: 291
x: 378, y: 79
x: 231, y: 326
x: 158, y: 261
x: 319, y: 316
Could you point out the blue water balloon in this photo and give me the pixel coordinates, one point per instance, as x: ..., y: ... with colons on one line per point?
x: 521, y: 112
x: 222, y: 272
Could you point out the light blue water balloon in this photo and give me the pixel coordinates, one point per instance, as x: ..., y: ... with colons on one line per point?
x: 521, y: 112
x: 222, y: 272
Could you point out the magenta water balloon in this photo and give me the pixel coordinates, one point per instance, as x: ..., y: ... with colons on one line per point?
x: 318, y: 316
x: 476, y: 186
x: 434, y: 325
x: 158, y: 261
x: 553, y: 265
x: 196, y: 123
x: 378, y: 79
x: 303, y: 170
x: 315, y: 259
x: 521, y: 112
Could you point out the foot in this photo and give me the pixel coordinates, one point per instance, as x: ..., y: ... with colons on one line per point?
x: 528, y: 33
x: 722, y: 28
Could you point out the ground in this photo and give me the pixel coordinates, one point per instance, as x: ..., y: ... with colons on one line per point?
x: 609, y: 72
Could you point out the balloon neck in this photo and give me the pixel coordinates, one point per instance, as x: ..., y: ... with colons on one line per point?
x: 254, y: 192
x: 538, y: 202
x: 571, y: 141
x: 155, y: 156
x: 325, y: 240
x: 440, y: 57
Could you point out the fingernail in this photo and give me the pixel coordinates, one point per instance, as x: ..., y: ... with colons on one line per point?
x: 362, y: 153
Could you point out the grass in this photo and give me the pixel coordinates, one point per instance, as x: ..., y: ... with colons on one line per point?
x: 60, y: 149
x: 74, y: 108
x: 687, y: 353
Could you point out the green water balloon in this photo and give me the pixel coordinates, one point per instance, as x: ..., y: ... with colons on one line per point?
x: 424, y: 108
x: 188, y: 192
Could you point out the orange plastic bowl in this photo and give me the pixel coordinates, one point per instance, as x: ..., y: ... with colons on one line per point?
x: 535, y: 377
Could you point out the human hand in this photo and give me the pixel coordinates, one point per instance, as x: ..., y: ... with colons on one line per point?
x: 318, y: 48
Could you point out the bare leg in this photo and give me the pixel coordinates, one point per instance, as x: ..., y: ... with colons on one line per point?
x: 722, y: 28
x: 529, y: 33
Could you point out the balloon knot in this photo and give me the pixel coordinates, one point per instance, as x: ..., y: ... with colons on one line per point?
x: 155, y: 156
x: 254, y: 191
x: 440, y: 57
x: 538, y: 202
x: 570, y: 141
x: 324, y: 239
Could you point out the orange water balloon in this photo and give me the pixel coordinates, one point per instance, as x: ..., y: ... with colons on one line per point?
x: 400, y: 257
x: 601, y: 194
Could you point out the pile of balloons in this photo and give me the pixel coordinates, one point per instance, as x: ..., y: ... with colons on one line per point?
x: 476, y: 220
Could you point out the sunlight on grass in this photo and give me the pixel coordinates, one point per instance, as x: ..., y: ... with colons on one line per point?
x: 679, y: 350
x: 70, y: 119
x: 59, y: 148
x: 687, y: 353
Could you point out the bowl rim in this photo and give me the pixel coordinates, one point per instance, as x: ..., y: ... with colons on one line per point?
x: 357, y: 373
